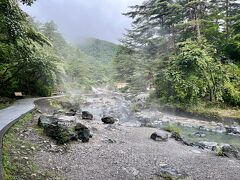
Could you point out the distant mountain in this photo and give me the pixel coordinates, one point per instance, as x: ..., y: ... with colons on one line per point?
x: 102, y: 51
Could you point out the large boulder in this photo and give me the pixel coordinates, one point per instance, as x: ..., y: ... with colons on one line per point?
x: 46, y: 120
x: 108, y: 120
x: 83, y: 132
x: 87, y: 115
x: 159, y: 136
x: 54, y: 128
x: 231, y: 151
x: 58, y: 132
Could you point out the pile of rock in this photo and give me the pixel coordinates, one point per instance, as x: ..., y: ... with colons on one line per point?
x: 53, y: 128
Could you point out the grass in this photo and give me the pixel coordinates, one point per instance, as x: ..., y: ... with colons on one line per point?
x: 55, y: 103
x: 18, y: 153
x: 5, y: 105
x: 172, y: 128
x: 219, y: 152
x: 7, y: 102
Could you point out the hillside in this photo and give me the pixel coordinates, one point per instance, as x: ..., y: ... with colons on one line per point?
x: 90, y: 63
x: 101, y: 50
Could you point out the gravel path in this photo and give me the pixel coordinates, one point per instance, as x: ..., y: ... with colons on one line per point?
x: 131, y: 154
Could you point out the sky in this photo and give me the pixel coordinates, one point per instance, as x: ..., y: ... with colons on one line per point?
x: 80, y: 19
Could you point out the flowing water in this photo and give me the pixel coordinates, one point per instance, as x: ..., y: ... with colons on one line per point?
x: 189, y: 134
x: 109, y: 103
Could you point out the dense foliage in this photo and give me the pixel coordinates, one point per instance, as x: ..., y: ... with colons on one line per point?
x: 22, y: 54
x: 35, y: 58
x: 191, y: 47
x: 84, y: 65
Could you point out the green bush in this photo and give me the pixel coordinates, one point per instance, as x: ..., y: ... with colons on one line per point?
x: 231, y: 96
x: 172, y: 128
x: 219, y: 151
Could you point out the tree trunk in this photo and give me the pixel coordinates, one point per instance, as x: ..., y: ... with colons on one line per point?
x: 174, y: 39
x: 227, y: 16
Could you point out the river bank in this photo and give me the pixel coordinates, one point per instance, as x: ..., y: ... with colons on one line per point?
x: 123, y: 150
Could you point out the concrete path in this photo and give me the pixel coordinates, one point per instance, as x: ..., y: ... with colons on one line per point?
x: 13, y: 112
x: 19, y: 108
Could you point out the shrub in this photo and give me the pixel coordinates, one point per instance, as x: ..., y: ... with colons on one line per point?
x: 172, y: 128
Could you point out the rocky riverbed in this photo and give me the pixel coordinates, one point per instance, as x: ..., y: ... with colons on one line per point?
x: 109, y: 140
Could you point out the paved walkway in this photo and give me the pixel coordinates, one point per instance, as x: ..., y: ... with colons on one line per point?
x: 19, y: 108
x: 13, y: 112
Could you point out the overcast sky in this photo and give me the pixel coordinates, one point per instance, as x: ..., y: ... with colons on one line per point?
x: 78, y: 19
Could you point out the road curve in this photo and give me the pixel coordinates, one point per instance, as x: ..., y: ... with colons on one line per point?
x: 13, y: 112
x: 10, y: 115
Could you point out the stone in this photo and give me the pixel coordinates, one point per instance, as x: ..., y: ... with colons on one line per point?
x: 58, y: 112
x: 70, y: 113
x: 208, y: 145
x: 108, y: 120
x: 232, y: 130
x: 46, y: 120
x: 83, y: 132
x: 110, y: 141
x: 79, y: 127
x: 167, y: 172
x: 159, y: 136
x: 84, y: 135
x: 87, y: 115
x: 176, y: 136
x: 73, y: 136
x: 199, y: 134
x: 231, y: 151
x: 58, y: 132
x: 66, y: 105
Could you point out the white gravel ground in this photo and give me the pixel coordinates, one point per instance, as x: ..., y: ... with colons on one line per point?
x: 133, y: 155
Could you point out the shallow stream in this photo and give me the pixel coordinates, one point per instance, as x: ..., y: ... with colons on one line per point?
x: 109, y: 103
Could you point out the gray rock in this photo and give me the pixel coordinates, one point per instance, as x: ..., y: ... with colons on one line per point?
x: 58, y: 132
x: 231, y: 151
x: 232, y: 130
x: 70, y: 113
x: 87, y: 115
x: 176, y: 136
x: 208, y: 145
x: 108, y: 120
x: 199, y: 134
x: 47, y: 120
x: 169, y: 173
x: 73, y: 136
x: 159, y: 136
x: 83, y: 132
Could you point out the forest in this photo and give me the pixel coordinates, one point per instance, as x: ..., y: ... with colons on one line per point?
x: 107, y: 89
x: 38, y: 49
x: 189, y: 51
x: 186, y: 51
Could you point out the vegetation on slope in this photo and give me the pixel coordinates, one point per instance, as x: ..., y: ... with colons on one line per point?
x: 187, y: 50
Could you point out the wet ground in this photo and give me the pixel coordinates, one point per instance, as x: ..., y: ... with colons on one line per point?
x: 125, y: 151
x: 121, y: 106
